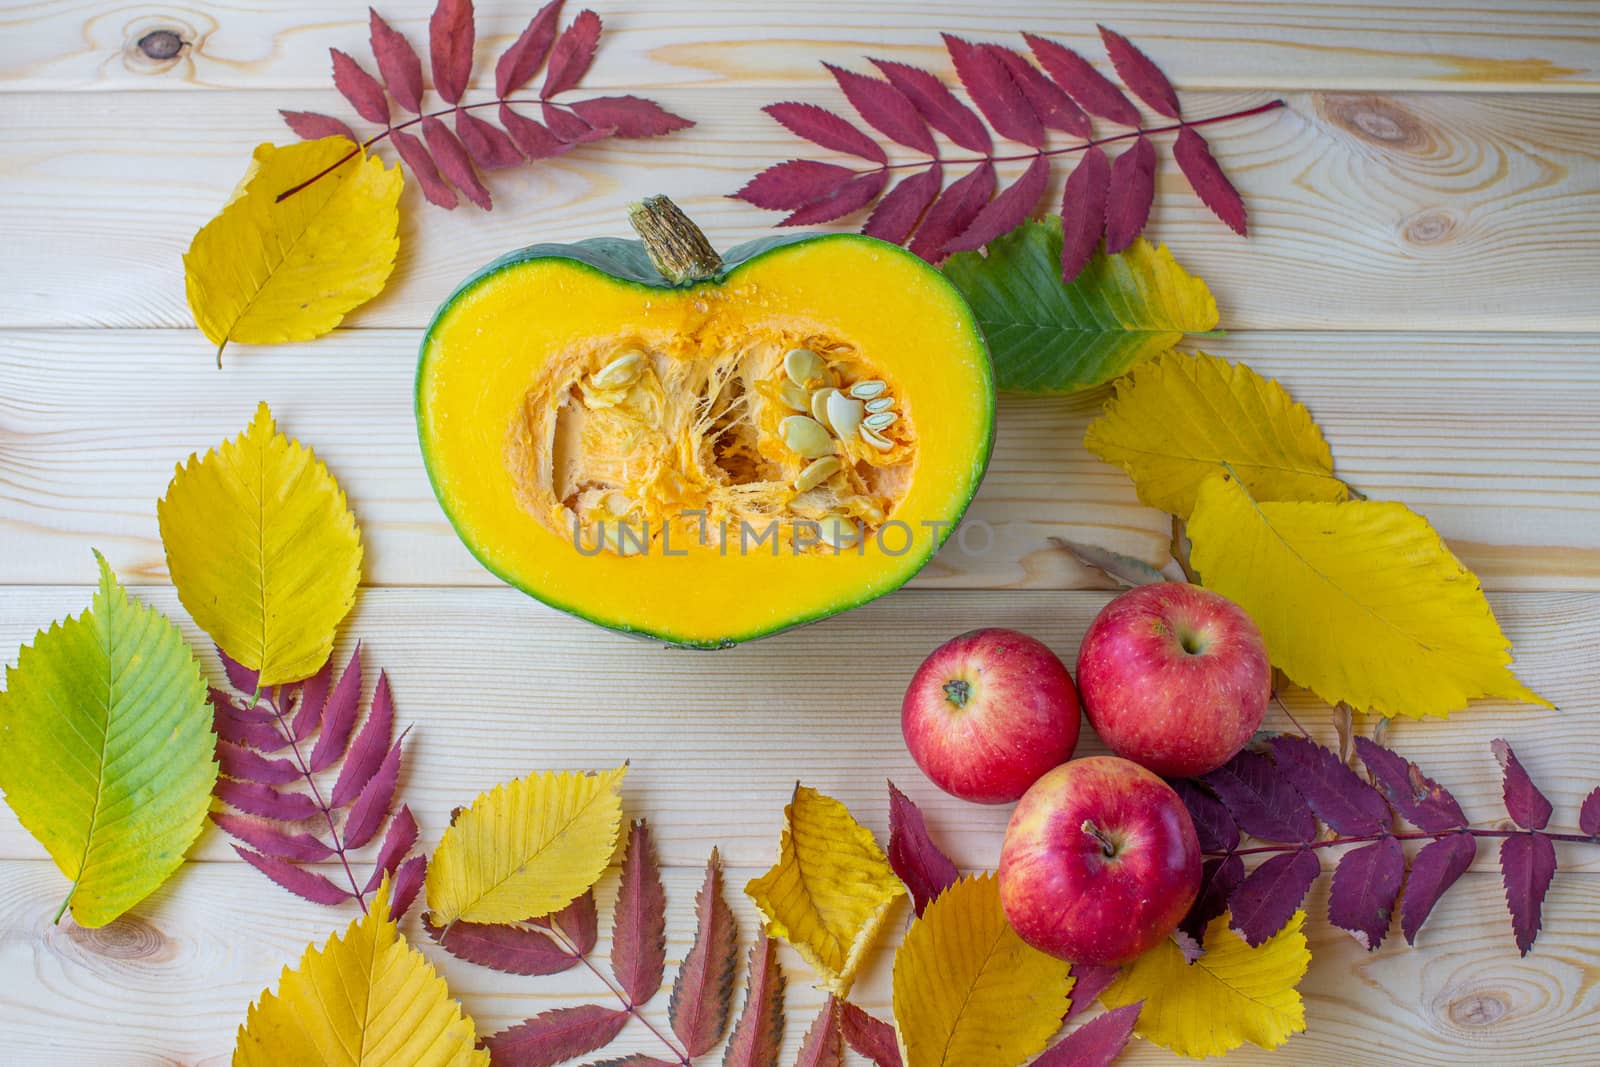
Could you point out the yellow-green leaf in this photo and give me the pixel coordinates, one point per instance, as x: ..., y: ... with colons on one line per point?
x: 1176, y: 419
x: 831, y: 889
x: 266, y: 271
x: 526, y: 848
x: 1231, y: 994
x: 967, y: 990
x: 1046, y: 337
x: 106, y: 750
x: 367, y: 999
x: 1359, y: 601
x: 263, y: 549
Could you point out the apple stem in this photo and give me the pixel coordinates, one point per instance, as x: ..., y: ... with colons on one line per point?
x: 958, y: 691
x: 1107, y: 846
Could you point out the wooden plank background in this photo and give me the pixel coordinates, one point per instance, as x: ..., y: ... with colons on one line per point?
x: 1421, y: 271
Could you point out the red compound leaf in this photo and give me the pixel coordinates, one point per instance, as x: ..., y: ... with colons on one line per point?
x: 1140, y: 74
x: 1527, y: 806
x: 519, y: 63
x: 920, y: 863
x: 822, y: 127
x: 884, y: 108
x: 397, y: 62
x: 1210, y: 184
x: 450, y: 39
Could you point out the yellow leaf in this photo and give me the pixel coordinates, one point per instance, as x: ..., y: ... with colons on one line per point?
x: 263, y: 549
x: 967, y: 990
x: 1176, y: 419
x: 1231, y: 994
x: 526, y: 848
x: 265, y: 271
x: 1359, y: 601
x: 831, y: 889
x: 367, y: 999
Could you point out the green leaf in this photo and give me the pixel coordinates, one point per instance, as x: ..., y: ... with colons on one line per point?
x: 106, y: 750
x: 1049, y: 337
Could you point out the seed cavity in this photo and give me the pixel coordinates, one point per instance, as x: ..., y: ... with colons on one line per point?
x: 876, y: 439
x: 880, y: 421
x: 866, y: 390
x: 844, y: 413
x: 806, y: 436
x: 883, y: 403
x: 804, y: 367
x: 817, y: 472
x: 620, y: 372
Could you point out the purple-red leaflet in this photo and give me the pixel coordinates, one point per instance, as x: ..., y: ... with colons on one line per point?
x: 920, y: 863
x: 1218, y: 879
x: 1054, y: 107
x: 302, y: 883
x: 1008, y: 210
x: 422, y: 167
x: 992, y: 88
x: 247, y: 764
x: 629, y: 116
x: 1271, y: 894
x: 450, y: 39
x: 503, y: 947
x: 1140, y: 74
x: 884, y: 108
x: 310, y: 126
x: 365, y: 95
x: 580, y: 921
x: 1210, y: 184
x: 822, y: 127
x: 257, y: 735
x: 794, y: 184
x: 570, y: 127
x: 953, y: 212
x: 702, y: 994
x: 557, y: 1035
x: 454, y: 162
x: 264, y: 836
x: 639, y: 924
x: 573, y: 52
x: 489, y: 146
x: 1089, y: 981
x: 1083, y: 216
x: 637, y: 1059
x: 1093, y: 91
x: 397, y: 62
x: 374, y: 800
x: 1261, y: 799
x: 898, y: 213
x: 1589, y: 814
x: 535, y: 141
x: 519, y: 63
x: 1527, y: 863
x: 1336, y: 793
x: 366, y: 754
x: 240, y: 677
x: 869, y: 1036
x: 1096, y: 1043
x: 407, y: 882
x: 263, y: 800
x: 759, y: 1031
x: 339, y: 712
x: 1433, y: 870
x: 1212, y: 823
x: 938, y: 105
x: 1132, y: 191
x: 853, y: 195
x: 402, y: 834
x: 1528, y: 808
x: 824, y: 1044
x: 1424, y: 803
x: 312, y: 698
x: 1365, y: 885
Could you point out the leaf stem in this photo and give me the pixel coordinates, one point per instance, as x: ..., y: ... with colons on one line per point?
x: 626, y: 1001
x: 1409, y: 835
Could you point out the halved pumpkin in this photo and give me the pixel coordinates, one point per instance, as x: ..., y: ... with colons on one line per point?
x: 698, y: 450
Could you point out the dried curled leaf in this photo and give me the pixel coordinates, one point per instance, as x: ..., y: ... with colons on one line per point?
x: 1339, y: 616
x: 525, y: 848
x: 967, y: 989
x: 364, y: 999
x: 831, y: 889
x: 107, y: 746
x: 263, y: 549
x: 266, y: 271
x: 1177, y: 418
x: 1230, y: 995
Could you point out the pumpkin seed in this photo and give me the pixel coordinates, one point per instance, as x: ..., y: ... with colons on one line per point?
x: 868, y: 389
x: 844, y: 414
x: 620, y: 372
x: 794, y: 397
x: 876, y: 439
x: 883, y: 403
x: 806, y: 436
x: 880, y: 421
x: 819, y: 405
x: 816, y: 473
x: 803, y: 366
x: 838, y: 531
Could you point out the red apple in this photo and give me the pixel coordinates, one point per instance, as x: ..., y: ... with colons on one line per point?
x: 1174, y: 677
x: 1100, y: 862
x: 988, y: 713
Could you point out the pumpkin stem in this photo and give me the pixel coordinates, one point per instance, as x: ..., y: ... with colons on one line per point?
x: 675, y: 244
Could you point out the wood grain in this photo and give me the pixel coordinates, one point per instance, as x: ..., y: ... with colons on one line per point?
x: 1478, y: 45
x: 1403, y: 212
x: 170, y: 983
x: 497, y: 686
x: 1505, y: 463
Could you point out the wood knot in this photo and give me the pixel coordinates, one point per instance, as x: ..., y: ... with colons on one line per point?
x: 1478, y: 1011
x: 161, y: 44
x: 156, y: 44
x: 127, y: 938
x: 1378, y: 121
x: 1430, y: 227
